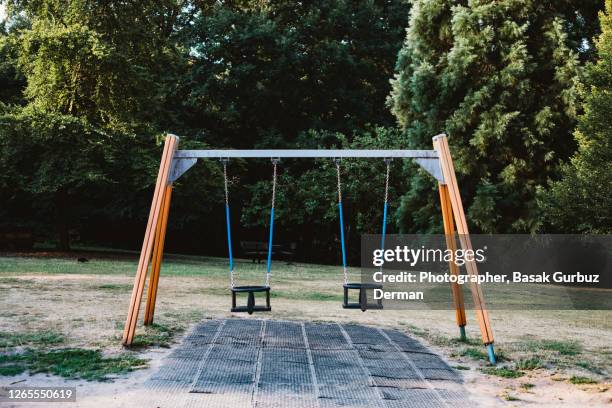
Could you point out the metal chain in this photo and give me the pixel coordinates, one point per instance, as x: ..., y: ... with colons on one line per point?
x: 224, y: 161
x: 339, y: 183
x: 344, y: 268
x: 388, y: 162
x: 275, y: 163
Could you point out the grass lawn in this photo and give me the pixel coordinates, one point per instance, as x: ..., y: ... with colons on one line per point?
x: 57, y: 309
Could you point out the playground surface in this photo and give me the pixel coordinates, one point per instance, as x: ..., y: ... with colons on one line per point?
x: 272, y: 363
x: 49, y: 301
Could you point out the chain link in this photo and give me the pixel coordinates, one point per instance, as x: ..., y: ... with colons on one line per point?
x: 388, y: 162
x: 275, y: 163
x: 224, y: 161
x: 339, y: 183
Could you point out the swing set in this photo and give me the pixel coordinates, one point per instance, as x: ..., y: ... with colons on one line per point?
x: 174, y: 163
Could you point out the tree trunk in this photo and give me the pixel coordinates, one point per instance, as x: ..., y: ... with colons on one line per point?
x: 61, y: 221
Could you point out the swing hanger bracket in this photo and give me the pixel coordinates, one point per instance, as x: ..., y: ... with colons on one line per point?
x: 275, y: 160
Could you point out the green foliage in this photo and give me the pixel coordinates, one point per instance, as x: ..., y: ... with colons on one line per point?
x: 582, y: 380
x: 500, y: 80
x: 85, y: 364
x: 265, y: 71
x: 529, y: 364
x: 43, y: 338
x: 503, y: 372
x: 564, y: 348
x: 580, y: 200
x: 155, y: 334
x: 105, y: 63
x: 307, y: 197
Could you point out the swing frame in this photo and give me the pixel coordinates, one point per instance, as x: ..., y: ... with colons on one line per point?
x: 174, y: 163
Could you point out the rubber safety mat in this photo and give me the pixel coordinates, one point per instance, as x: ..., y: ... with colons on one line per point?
x: 270, y: 363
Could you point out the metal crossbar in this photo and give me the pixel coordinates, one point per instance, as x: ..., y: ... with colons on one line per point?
x: 278, y: 153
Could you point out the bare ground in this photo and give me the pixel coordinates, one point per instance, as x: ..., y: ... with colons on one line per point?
x: 89, y: 309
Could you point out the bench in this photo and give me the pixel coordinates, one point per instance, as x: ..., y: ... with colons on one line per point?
x: 258, y: 250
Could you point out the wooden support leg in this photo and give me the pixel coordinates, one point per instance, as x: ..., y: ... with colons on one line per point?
x: 451, y: 244
x: 158, y: 252
x: 450, y: 179
x: 147, y: 245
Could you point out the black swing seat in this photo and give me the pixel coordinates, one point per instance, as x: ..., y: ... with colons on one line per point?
x: 251, y: 306
x: 363, y: 303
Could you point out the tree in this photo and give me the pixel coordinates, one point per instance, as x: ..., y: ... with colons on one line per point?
x: 580, y: 200
x: 499, y: 78
x: 306, y: 199
x: 97, y: 76
x: 263, y: 72
x: 12, y: 82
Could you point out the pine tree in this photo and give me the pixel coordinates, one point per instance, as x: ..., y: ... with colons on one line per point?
x: 500, y: 79
x: 581, y: 200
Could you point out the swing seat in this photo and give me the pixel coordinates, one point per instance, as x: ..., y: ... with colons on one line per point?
x: 363, y: 303
x: 251, y: 306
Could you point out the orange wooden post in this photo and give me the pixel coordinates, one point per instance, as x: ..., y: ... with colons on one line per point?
x: 158, y: 253
x: 448, y: 170
x: 145, y: 254
x: 449, y: 232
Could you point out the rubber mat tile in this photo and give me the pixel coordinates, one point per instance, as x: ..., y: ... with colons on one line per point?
x: 413, y: 398
x: 367, y: 355
x: 352, y: 392
x: 240, y: 332
x: 399, y: 363
x: 404, y: 342
x: 190, y: 353
x: 329, y: 375
x: 283, y: 372
x: 206, y: 328
x: 404, y: 383
x: 222, y: 400
x: 290, y: 355
x: 325, y: 336
x: 232, y: 352
x: 286, y: 401
x: 304, y: 390
x: 226, y: 388
x: 394, y: 373
x: 335, y: 358
x: 364, y: 334
x: 177, y: 370
x: 376, y: 348
x: 421, y: 360
x: 441, y: 374
x: 285, y: 395
x: 284, y: 334
x: 334, y: 403
x: 223, y: 371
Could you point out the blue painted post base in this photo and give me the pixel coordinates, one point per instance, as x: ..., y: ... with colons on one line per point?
x: 462, y: 335
x: 491, y: 351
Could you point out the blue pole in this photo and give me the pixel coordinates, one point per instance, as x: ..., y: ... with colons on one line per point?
x: 491, y: 351
x: 270, y: 239
x: 342, y: 235
x: 384, y: 227
x: 229, y: 237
